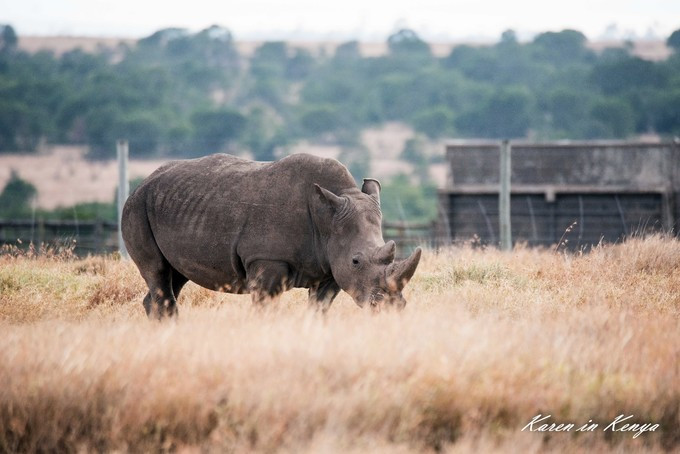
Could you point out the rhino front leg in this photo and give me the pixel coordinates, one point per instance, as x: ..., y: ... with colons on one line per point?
x: 267, y: 280
x: 322, y: 295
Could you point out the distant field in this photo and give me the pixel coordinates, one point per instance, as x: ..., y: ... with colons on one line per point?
x: 652, y: 50
x: 63, y: 177
x: 488, y: 341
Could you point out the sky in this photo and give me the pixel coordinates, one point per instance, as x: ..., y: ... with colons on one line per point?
x: 368, y: 20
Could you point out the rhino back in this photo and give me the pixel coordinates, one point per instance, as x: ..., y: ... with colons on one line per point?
x: 211, y: 217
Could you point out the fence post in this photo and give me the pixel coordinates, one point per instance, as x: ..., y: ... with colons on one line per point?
x: 99, y: 242
x: 123, y: 190
x: 504, y: 198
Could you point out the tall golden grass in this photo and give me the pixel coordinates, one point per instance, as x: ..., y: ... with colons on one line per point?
x: 488, y: 341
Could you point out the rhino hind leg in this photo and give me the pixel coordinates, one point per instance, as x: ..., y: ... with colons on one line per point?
x: 267, y: 280
x: 322, y: 295
x: 158, y: 274
x: 161, y: 307
x: 178, y: 281
x: 163, y: 281
x: 160, y: 302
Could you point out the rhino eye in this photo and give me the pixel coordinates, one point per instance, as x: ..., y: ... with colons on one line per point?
x: 355, y: 261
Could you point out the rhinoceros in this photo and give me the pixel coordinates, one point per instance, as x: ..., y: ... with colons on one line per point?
x: 240, y: 226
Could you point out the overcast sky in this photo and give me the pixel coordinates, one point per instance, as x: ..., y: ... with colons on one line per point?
x: 435, y: 20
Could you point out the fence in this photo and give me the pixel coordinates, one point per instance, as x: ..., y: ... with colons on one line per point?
x: 91, y: 237
x: 100, y: 237
x: 410, y: 235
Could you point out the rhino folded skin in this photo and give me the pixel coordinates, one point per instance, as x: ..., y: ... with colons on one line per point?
x: 242, y: 226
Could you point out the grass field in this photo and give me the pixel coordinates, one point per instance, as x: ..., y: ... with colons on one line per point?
x: 488, y: 341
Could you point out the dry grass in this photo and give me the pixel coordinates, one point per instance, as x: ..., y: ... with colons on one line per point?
x: 488, y: 341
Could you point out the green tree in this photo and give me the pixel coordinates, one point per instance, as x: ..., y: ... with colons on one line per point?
x: 562, y: 47
x: 414, y: 153
x: 16, y: 197
x: 615, y: 115
x: 505, y: 114
x: 8, y: 38
x: 406, y: 42
x: 103, y: 126
x: 403, y: 200
x: 627, y: 74
x: 434, y: 122
x: 474, y: 63
x: 263, y: 135
x: 667, y: 112
x: 568, y: 110
x: 269, y: 60
x: 347, y: 52
x: 319, y: 120
x: 300, y: 65
x: 673, y: 41
x: 143, y: 130
x: 508, y: 39
x: 215, y: 129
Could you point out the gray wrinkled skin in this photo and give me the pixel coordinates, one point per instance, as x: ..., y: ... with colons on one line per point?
x: 240, y: 226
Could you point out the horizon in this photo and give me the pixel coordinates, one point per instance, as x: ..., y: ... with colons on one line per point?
x: 304, y: 20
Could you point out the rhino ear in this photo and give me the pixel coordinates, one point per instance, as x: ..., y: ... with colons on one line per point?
x: 327, y: 196
x: 372, y: 188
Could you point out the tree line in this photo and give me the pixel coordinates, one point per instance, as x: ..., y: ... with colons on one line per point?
x: 178, y: 93
x: 181, y: 93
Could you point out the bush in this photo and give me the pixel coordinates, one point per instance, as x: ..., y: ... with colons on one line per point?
x: 402, y: 200
x: 16, y: 197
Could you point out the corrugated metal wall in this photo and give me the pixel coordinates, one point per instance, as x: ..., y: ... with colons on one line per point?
x: 583, y: 192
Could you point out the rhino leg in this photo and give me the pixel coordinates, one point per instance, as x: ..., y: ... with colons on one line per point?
x: 160, y: 302
x: 154, y: 309
x: 161, y: 279
x: 178, y: 281
x: 321, y: 296
x: 267, y: 280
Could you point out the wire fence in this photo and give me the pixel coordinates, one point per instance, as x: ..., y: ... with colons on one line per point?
x: 86, y: 237
x: 100, y: 237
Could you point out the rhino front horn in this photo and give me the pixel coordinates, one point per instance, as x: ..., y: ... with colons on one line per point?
x: 399, y: 273
x: 385, y: 254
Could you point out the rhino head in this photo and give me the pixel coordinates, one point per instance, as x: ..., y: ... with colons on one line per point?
x: 361, y: 262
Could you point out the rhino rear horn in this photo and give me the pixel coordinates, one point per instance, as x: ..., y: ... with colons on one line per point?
x: 385, y: 254
x: 333, y: 200
x: 399, y: 273
x: 371, y: 187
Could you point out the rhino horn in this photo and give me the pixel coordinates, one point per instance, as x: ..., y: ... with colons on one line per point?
x: 385, y: 254
x: 399, y: 273
x: 371, y: 187
x: 333, y: 200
